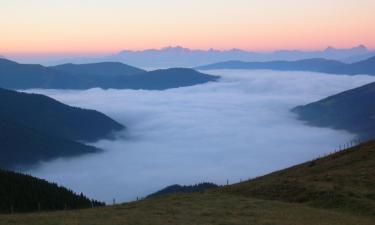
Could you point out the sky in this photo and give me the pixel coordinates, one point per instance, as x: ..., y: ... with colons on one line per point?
x: 105, y: 26
x: 237, y: 128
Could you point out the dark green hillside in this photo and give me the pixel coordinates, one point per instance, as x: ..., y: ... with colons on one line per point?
x: 343, y: 181
x: 21, y: 146
x: 178, y: 189
x: 23, y: 193
x: 352, y: 110
x: 49, y: 116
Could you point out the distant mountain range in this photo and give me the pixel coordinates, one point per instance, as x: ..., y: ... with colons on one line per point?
x: 352, y: 110
x: 179, y: 56
x: 103, y: 75
x: 21, y: 193
x: 35, y: 127
x: 316, y: 65
x: 185, y: 57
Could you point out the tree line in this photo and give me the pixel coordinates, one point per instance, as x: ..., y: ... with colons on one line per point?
x: 24, y: 193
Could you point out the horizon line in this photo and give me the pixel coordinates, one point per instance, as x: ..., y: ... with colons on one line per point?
x: 100, y: 53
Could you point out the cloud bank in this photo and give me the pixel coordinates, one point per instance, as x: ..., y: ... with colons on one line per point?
x: 237, y: 128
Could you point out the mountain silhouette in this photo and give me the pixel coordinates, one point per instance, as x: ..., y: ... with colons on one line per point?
x: 363, y: 67
x: 99, y: 69
x: 22, y: 147
x: 20, y: 193
x: 300, y: 65
x: 47, y: 115
x: 165, y: 79
x: 99, y: 75
x: 184, y: 57
x: 352, y: 110
x: 315, y: 65
x: 23, y: 76
x: 35, y: 127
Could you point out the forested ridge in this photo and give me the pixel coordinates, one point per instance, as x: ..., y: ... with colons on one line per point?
x: 24, y: 193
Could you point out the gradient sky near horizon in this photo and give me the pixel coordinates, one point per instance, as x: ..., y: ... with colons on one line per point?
x: 103, y: 26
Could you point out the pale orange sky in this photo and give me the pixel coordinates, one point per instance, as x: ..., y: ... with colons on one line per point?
x: 103, y: 26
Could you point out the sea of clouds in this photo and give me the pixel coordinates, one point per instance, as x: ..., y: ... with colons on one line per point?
x: 238, y: 128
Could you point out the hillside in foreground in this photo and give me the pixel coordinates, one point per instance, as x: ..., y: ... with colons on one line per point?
x: 334, y: 190
x: 344, y: 181
x: 183, y: 189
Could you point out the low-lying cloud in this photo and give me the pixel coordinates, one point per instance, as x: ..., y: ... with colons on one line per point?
x: 238, y: 128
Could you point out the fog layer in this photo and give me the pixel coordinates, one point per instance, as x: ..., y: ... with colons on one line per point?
x: 237, y: 128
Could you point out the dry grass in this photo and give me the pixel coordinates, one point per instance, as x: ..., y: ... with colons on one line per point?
x: 343, y: 181
x: 204, y: 208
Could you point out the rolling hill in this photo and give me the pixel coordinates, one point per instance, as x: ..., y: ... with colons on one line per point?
x: 107, y: 69
x: 343, y: 181
x: 23, y: 193
x: 120, y: 76
x: 165, y: 79
x: 300, y: 65
x: 315, y: 65
x: 362, y: 67
x: 24, y: 76
x: 334, y: 190
x: 352, y: 110
x: 97, y: 75
x: 179, y: 189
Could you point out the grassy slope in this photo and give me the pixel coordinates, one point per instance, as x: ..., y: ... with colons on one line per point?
x: 343, y: 181
x: 338, y: 189
x: 208, y: 208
